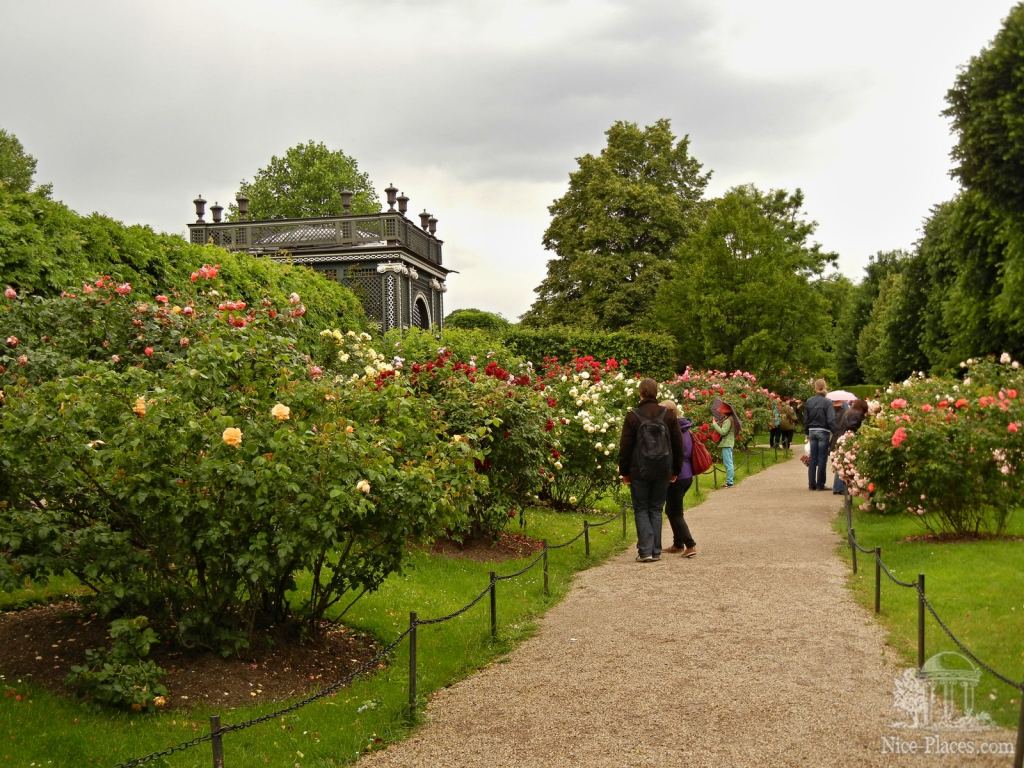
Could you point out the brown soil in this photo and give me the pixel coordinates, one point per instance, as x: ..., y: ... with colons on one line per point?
x: 950, y: 538
x: 509, y: 546
x: 42, y: 643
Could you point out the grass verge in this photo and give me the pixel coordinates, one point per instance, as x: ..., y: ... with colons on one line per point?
x: 977, y: 587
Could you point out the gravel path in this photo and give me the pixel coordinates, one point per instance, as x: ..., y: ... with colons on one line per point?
x: 753, y: 653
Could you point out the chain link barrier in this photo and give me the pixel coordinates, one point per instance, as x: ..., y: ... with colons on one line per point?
x: 938, y: 620
x: 323, y: 693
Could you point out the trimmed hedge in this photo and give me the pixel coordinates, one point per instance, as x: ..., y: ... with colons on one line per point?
x: 864, y: 391
x: 649, y: 354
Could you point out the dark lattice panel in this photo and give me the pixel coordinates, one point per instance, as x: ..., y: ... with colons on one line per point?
x: 366, y: 284
x: 330, y: 273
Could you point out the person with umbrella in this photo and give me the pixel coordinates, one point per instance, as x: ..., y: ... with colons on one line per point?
x: 726, y: 423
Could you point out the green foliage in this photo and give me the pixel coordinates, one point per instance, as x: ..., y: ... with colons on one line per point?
x: 45, y: 249
x: 752, y: 252
x: 944, y: 451
x: 17, y: 167
x: 168, y: 479
x: 614, y: 229
x: 647, y: 354
x: 307, y: 181
x: 479, y: 319
x: 465, y: 344
x: 986, y: 106
x: 122, y: 676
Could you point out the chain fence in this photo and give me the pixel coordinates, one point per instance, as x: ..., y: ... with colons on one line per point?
x: 217, y: 731
x: 924, y: 605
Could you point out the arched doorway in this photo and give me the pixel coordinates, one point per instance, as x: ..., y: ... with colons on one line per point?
x: 420, y: 314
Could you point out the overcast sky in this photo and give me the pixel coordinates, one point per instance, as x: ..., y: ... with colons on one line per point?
x: 477, y: 110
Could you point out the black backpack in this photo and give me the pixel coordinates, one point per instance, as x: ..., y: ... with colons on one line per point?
x: 652, y: 451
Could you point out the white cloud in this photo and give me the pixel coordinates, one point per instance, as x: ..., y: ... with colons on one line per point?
x: 477, y: 110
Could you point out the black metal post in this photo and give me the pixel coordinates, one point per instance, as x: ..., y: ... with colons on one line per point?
x: 853, y: 548
x: 878, y: 579
x: 920, y: 621
x: 761, y: 451
x: 747, y: 454
x: 412, y: 666
x: 494, y: 604
x: 548, y: 591
x: 848, y: 503
x: 622, y: 509
x: 215, y: 742
x: 714, y: 471
x: 696, y: 483
x: 586, y: 537
x: 1018, y: 752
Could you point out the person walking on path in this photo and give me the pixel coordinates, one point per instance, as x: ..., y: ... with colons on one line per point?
x: 650, y: 458
x: 682, y: 539
x: 774, y: 427
x: 727, y: 424
x: 819, y: 424
x: 788, y: 421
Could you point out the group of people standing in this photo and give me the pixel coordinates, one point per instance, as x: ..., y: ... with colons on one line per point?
x: 824, y: 427
x: 656, y: 461
x: 656, y: 456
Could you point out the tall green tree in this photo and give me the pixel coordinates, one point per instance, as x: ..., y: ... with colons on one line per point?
x: 307, y: 181
x: 614, y: 230
x: 742, y: 294
x: 17, y: 167
x: 855, y: 315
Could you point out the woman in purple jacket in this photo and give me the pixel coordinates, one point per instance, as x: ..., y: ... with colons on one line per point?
x: 682, y: 541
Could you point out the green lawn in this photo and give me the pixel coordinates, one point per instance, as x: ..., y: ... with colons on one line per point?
x: 977, y: 587
x: 44, y: 729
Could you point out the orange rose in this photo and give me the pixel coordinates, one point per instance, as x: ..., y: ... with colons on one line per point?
x: 232, y: 436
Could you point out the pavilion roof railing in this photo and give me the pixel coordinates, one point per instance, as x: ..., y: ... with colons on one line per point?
x: 349, y: 233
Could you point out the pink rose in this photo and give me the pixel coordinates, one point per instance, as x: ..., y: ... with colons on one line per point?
x: 148, y: 351
x: 898, y: 437
x: 899, y: 402
x: 10, y: 293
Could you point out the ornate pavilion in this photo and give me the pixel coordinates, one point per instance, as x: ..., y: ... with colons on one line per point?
x: 393, y: 265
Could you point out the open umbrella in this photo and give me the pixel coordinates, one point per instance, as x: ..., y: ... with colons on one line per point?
x: 841, y: 396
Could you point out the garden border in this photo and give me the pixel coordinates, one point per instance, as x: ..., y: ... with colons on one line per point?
x: 923, y: 605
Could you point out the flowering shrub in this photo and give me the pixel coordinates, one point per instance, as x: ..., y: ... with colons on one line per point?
x: 173, y: 487
x: 586, y: 403
x: 946, y: 451
x: 694, y: 391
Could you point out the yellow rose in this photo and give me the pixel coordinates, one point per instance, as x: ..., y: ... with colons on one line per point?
x: 232, y: 436
x: 159, y: 702
x: 281, y: 412
x: 140, y: 407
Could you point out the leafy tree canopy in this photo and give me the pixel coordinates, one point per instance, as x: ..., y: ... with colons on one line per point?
x: 17, y: 167
x: 307, y: 181
x: 476, y: 319
x: 614, y: 229
x: 742, y: 294
x: 986, y: 106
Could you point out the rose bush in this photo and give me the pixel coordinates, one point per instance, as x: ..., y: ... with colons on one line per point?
x: 944, y: 450
x: 171, y: 485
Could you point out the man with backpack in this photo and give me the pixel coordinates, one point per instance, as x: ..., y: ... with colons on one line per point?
x: 650, y: 458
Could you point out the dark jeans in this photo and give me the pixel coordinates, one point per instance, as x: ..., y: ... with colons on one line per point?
x: 819, y: 440
x: 648, y: 499
x: 787, y: 438
x: 674, y: 510
x: 774, y: 437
